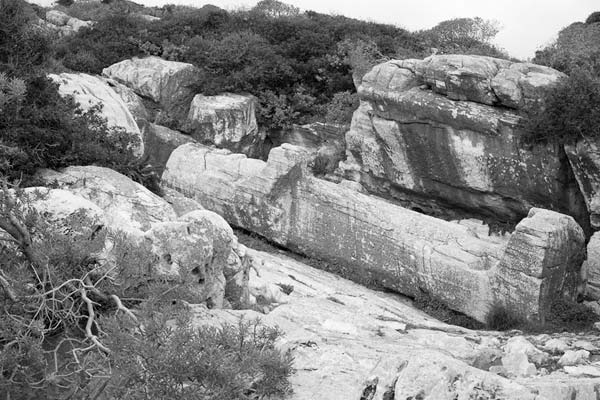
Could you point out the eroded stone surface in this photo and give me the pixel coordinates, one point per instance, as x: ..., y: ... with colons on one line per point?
x: 168, y: 83
x: 355, y: 340
x: 430, y: 132
x: 128, y: 206
x: 408, y: 251
x: 227, y: 120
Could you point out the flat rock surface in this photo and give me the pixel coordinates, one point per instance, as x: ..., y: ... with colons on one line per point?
x: 348, y: 340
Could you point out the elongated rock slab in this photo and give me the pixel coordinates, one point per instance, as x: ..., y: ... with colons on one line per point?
x: 408, y: 252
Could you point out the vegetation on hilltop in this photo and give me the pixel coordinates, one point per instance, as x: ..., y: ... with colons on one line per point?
x: 295, y: 63
x: 571, y: 111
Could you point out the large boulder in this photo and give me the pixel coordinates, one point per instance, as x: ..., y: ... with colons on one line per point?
x: 91, y: 91
x: 445, y: 132
x: 227, y: 120
x: 196, y: 247
x: 406, y: 251
x: 128, y: 206
x: 168, y: 83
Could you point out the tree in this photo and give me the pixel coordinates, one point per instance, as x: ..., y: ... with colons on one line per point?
x: 275, y: 9
x: 577, y: 46
x: 463, y: 36
x: 593, y: 18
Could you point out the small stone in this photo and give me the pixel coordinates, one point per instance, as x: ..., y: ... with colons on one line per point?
x: 516, y: 364
x: 556, y: 346
x: 572, y: 357
x: 520, y: 345
x: 597, y: 326
x: 499, y: 370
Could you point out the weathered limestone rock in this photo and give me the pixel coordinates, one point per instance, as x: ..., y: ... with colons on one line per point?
x: 412, y: 140
x: 90, y: 91
x: 485, y: 80
x: 128, y: 206
x: 356, y: 341
x: 227, y: 120
x: 545, y: 246
x: 132, y: 101
x: 196, y: 245
x: 56, y: 205
x: 584, y: 157
x: 56, y: 17
x: 160, y: 141
x: 168, y: 83
x: 408, y: 251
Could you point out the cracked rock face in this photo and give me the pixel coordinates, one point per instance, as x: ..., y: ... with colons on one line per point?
x: 168, y: 83
x: 357, y: 343
x: 227, y: 120
x: 406, y: 251
x: 446, y: 131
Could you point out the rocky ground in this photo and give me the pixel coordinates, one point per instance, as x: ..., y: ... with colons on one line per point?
x: 350, y: 342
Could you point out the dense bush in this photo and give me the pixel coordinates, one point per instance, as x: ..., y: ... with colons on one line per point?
x: 569, y: 112
x: 577, y: 47
x: 593, y: 18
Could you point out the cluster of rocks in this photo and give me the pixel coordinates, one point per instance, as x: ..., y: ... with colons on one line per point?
x: 181, y: 240
x: 445, y: 130
x: 62, y: 23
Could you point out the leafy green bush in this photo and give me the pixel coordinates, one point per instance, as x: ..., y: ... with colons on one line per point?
x: 569, y: 112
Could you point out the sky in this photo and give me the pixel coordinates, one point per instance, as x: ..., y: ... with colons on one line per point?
x: 527, y: 25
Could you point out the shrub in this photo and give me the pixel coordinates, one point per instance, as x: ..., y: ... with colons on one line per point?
x: 593, y: 18
x: 41, y: 129
x: 341, y: 108
x: 23, y: 48
x: 569, y: 112
x: 501, y: 319
x: 180, y: 361
x: 60, y: 337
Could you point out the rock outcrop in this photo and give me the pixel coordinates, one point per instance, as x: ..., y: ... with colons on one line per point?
x: 194, y: 246
x: 64, y: 23
x: 227, y: 121
x: 445, y: 132
x: 168, y: 83
x: 357, y: 343
x: 128, y: 206
x: 408, y: 252
x: 91, y: 91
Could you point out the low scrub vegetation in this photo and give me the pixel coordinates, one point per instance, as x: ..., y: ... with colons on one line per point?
x: 73, y: 326
x: 300, y: 65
